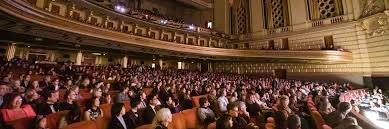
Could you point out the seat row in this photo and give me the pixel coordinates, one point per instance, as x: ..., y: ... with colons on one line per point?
x: 317, y: 118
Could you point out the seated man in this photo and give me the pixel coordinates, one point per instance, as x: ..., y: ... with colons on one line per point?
x: 50, y: 105
x: 294, y: 122
x: 151, y: 109
x: 205, y: 114
x: 238, y: 121
x: 335, y: 118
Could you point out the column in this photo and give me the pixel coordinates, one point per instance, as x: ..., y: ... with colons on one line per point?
x: 125, y: 62
x: 79, y: 58
x: 356, y: 8
x: 160, y: 63
x: 11, y: 51
x: 179, y: 65
x: 97, y: 60
x: 221, y: 12
x: 256, y: 16
x: 52, y: 56
x: 348, y: 8
x: 298, y: 14
x: 210, y: 67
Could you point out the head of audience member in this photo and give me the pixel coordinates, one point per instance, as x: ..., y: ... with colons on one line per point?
x: 47, y: 78
x: 204, y: 102
x: 12, y: 101
x: 233, y: 109
x: 224, y: 122
x: 3, y: 89
x: 31, y: 95
x: 74, y: 115
x: 280, y: 118
x: 70, y: 96
x: 135, y: 103
x: 344, y: 108
x: 162, y: 117
x: 118, y: 110
x: 242, y: 108
x: 97, y: 92
x: 284, y: 101
x: 152, y: 99
x: 252, y: 98
x: 51, y: 96
x: 94, y: 103
x: 294, y: 122
x: 35, y: 84
x: 40, y: 122
x: 222, y: 93
x: 143, y: 96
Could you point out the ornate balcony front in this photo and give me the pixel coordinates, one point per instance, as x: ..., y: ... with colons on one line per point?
x: 106, y: 25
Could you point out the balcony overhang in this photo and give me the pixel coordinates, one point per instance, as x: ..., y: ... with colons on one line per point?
x: 24, y: 12
x: 200, y: 4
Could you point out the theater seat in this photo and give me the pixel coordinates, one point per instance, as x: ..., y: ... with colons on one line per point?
x: 23, y: 123
x: 212, y: 126
x: 319, y: 121
x: 82, y: 125
x: 178, y: 122
x: 102, y: 122
x: 127, y: 105
x: 190, y: 118
x: 54, y: 118
x: 106, y: 110
x: 144, y: 127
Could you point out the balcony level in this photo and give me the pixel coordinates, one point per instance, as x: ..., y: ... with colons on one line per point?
x: 95, y: 25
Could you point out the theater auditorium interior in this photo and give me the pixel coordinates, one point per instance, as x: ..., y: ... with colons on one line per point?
x: 194, y: 64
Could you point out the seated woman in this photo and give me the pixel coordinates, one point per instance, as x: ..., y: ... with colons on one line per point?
x: 70, y: 103
x: 117, y: 121
x: 174, y: 108
x: 13, y: 109
x: 73, y: 116
x: 40, y: 122
x: 92, y: 109
x: 325, y: 106
x: 283, y: 105
x: 162, y: 119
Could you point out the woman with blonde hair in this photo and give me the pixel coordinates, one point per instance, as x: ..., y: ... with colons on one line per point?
x: 162, y: 119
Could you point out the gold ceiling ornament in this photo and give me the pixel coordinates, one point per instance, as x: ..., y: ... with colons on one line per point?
x: 376, y: 25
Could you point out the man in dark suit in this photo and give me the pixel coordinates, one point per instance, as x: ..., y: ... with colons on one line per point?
x: 46, y: 83
x: 132, y: 117
x: 49, y: 105
x: 151, y: 109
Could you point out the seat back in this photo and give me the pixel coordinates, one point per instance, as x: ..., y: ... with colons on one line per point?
x: 319, y: 121
x: 127, y: 105
x: 54, y: 118
x: 102, y: 122
x: 82, y: 125
x: 23, y: 123
x: 106, y: 110
x: 178, y: 122
x: 148, y: 126
x: 190, y: 118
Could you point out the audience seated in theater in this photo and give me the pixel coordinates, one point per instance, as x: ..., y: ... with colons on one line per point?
x: 26, y: 82
x: 122, y: 96
x: 185, y: 99
x: 98, y: 93
x: 224, y: 122
x: 35, y: 86
x: 335, y: 118
x: 143, y: 100
x: 222, y: 100
x: 205, y: 114
x: 280, y: 118
x: 174, y: 108
x: 239, y: 122
x: 46, y: 82
x: 50, y: 104
x: 13, y: 108
x: 17, y: 88
x: 31, y: 97
x: 242, y: 111
x: 151, y: 109
x: 212, y: 99
x: 133, y: 117
x: 325, y: 106
x: 69, y: 103
x: 346, y: 122
x: 40, y: 122
x: 283, y: 105
x: 73, y: 116
x: 162, y: 119
x: 254, y: 105
x: 117, y: 120
x: 294, y: 122
x: 93, y: 110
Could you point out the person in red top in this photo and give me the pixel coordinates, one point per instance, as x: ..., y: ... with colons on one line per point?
x: 13, y: 108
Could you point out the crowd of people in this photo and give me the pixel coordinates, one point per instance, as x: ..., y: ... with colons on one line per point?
x: 232, y: 99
